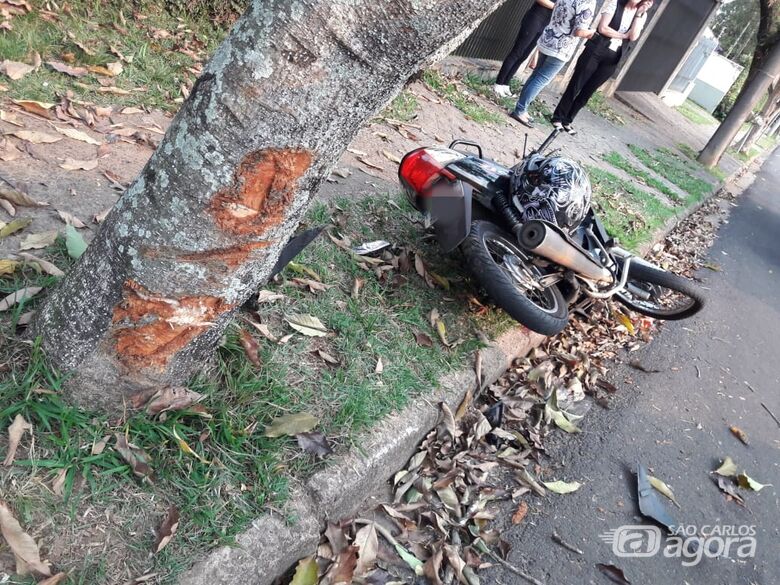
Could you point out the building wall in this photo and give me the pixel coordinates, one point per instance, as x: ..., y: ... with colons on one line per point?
x: 666, y: 47
x: 495, y: 36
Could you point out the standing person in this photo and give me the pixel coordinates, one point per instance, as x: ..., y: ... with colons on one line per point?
x: 531, y: 27
x: 569, y: 22
x: 620, y: 21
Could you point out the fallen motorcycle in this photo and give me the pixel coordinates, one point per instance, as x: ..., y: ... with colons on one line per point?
x: 530, y: 237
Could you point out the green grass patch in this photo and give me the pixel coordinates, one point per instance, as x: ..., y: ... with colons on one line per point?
x: 403, y: 108
x: 629, y: 213
x: 766, y: 142
x: 619, y: 161
x: 461, y: 99
x: 239, y: 473
x: 91, y: 34
x: 599, y: 105
x: 693, y: 155
x: 696, y: 114
x: 676, y: 169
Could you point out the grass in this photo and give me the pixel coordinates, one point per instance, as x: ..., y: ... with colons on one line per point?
x: 403, y: 108
x: 619, y: 161
x: 90, y: 33
x: 676, y: 169
x: 696, y: 114
x: 461, y: 99
x: 242, y: 473
x: 629, y: 213
x: 599, y: 105
x: 693, y: 155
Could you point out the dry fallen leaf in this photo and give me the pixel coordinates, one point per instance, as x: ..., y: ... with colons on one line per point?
x: 328, y: 358
x: 19, y: 198
x: 136, y: 457
x: 746, y: 482
x: 78, y: 135
x: 100, y: 217
x: 54, y: 580
x: 99, y: 446
x: 314, y: 443
x: 23, y: 294
x: 167, y: 529
x: 14, y: 226
x: 662, y: 488
x: 36, y: 137
x: 44, y: 265
x: 251, y: 347
x: 562, y: 487
x: 520, y: 513
x: 727, y: 469
x: 58, y: 485
x: 739, y: 434
x: 22, y: 544
x: 38, y: 241
x: 423, y: 339
x: 172, y: 398
x: 34, y: 107
x: 307, y: 325
x: 15, y: 432
x: 15, y: 70
x: 367, y: 544
x: 9, y: 266
x: 68, y: 69
x: 305, y: 572
x: 71, y: 164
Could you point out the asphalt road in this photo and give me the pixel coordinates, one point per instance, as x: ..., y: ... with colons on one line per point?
x: 676, y: 422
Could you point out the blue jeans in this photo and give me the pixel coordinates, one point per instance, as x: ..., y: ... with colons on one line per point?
x: 546, y: 68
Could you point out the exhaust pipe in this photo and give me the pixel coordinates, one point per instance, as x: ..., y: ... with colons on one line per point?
x: 545, y: 241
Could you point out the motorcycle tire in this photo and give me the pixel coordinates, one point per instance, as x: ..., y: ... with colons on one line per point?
x: 503, y: 288
x: 641, y: 274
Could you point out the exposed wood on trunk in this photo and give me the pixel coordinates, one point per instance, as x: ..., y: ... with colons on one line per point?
x: 200, y: 229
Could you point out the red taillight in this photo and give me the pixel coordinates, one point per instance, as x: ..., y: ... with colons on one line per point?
x: 419, y: 170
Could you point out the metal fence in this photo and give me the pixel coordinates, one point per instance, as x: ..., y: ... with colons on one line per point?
x: 495, y: 36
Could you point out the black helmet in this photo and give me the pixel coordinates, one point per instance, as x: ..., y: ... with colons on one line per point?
x: 554, y: 189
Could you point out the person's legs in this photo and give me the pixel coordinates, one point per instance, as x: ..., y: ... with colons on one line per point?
x: 546, y: 69
x: 602, y: 72
x: 530, y: 29
x: 586, y: 66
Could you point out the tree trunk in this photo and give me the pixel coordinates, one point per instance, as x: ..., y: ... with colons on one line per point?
x: 757, y: 130
x: 754, y: 89
x: 199, y: 230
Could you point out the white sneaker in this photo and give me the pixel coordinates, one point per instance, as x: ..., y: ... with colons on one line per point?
x: 502, y: 90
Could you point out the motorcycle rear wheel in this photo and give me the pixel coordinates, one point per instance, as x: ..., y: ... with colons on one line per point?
x: 506, y: 272
x: 671, y: 297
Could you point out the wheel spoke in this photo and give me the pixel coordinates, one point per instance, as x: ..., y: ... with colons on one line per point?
x: 518, y: 267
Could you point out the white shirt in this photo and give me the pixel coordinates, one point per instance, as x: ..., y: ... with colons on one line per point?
x: 625, y: 22
x: 557, y: 38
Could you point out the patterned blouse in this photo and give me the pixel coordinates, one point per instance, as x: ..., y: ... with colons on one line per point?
x: 557, y: 39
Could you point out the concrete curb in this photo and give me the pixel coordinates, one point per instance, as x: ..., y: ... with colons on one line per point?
x: 275, y: 541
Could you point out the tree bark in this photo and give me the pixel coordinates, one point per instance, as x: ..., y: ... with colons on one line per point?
x: 757, y: 130
x: 197, y: 233
x: 751, y: 93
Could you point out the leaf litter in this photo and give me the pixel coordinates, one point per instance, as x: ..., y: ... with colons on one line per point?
x: 439, y: 523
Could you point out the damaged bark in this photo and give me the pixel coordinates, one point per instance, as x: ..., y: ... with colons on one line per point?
x: 200, y: 229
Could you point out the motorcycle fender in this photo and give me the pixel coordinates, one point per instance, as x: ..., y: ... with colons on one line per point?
x: 451, y: 214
